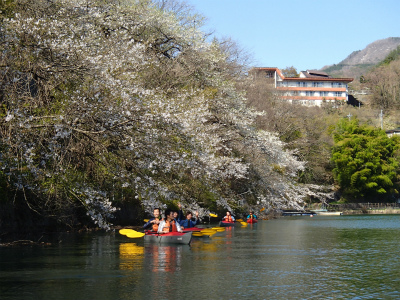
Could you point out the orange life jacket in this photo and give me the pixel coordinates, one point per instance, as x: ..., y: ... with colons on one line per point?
x: 169, y: 226
x: 228, y: 219
x: 155, y: 226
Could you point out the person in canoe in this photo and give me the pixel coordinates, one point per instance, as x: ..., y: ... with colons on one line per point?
x: 169, y: 224
x: 177, y: 216
x: 228, y: 217
x: 155, y: 221
x: 188, y: 222
x: 252, y: 216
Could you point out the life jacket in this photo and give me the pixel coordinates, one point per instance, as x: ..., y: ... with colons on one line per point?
x: 155, y: 226
x: 228, y: 219
x: 170, y: 226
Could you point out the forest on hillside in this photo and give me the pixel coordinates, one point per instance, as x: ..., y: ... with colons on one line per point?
x: 107, y: 105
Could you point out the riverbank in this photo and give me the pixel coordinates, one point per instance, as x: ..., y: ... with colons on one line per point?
x: 386, y: 211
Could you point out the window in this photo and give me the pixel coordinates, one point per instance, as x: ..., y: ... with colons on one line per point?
x: 318, y: 84
x: 323, y: 94
x: 301, y: 84
x: 337, y: 84
x: 337, y: 94
x: 269, y: 74
x: 309, y: 93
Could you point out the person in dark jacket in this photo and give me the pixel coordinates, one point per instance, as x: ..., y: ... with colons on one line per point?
x: 188, y: 222
x: 153, y: 222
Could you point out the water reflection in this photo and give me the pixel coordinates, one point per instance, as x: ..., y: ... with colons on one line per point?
x: 164, y: 258
x: 131, y: 256
x: 292, y: 258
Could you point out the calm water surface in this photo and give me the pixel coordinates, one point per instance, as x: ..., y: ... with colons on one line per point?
x: 341, y: 257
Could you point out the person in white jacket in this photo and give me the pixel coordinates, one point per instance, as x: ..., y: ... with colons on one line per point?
x: 169, y: 224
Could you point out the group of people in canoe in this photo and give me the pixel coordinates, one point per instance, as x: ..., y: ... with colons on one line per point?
x: 229, y: 218
x: 175, y: 221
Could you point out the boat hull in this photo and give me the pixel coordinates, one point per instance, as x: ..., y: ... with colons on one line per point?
x: 169, y: 238
x: 329, y: 213
x: 192, y: 229
x: 226, y: 224
x: 252, y: 221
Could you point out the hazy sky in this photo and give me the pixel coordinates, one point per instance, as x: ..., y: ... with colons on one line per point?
x: 306, y: 34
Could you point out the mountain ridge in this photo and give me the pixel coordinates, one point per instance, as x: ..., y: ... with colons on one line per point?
x: 360, y: 61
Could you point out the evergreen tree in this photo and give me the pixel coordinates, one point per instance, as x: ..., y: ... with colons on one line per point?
x: 366, y: 167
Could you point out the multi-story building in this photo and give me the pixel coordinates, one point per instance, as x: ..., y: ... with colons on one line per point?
x: 312, y: 88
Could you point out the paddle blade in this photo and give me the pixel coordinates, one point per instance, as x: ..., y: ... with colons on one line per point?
x: 146, y: 220
x: 208, y: 231
x: 130, y: 233
x: 219, y: 229
x: 197, y: 233
x: 262, y: 209
x: 243, y: 223
x: 213, y: 215
x: 239, y: 220
x: 134, y: 235
x: 125, y: 231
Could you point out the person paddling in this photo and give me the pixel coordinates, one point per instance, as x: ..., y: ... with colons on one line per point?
x: 188, y: 222
x: 229, y: 217
x: 252, y: 216
x: 169, y: 224
x: 155, y: 221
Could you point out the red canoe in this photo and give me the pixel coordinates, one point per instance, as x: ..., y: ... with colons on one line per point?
x: 252, y: 220
x: 192, y: 229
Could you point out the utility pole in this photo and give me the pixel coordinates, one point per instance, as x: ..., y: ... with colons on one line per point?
x: 349, y: 116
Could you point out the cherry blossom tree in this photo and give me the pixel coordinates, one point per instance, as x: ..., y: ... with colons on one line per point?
x: 106, y: 101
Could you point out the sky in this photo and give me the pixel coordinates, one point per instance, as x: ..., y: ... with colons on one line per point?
x: 305, y: 34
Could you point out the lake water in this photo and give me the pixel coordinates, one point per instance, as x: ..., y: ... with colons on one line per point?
x: 323, y: 257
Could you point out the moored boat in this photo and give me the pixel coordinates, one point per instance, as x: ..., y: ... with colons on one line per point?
x: 329, y: 213
x: 252, y: 221
x: 169, y: 238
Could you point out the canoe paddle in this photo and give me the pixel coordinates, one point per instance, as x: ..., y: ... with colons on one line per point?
x: 219, y: 229
x: 130, y: 233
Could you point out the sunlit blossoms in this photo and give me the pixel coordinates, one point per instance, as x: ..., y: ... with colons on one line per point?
x: 105, y: 101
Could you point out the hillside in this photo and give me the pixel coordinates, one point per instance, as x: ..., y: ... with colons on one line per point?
x: 358, y: 62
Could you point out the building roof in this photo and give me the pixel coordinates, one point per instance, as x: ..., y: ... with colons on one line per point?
x: 310, y: 75
x: 318, y: 79
x: 314, y: 73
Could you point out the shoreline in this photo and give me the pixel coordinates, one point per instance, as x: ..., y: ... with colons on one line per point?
x: 385, y: 211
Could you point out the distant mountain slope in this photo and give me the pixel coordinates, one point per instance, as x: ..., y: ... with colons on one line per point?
x: 358, y: 62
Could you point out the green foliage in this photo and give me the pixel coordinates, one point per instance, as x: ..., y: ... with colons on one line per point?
x: 392, y: 56
x: 365, y: 163
x: 290, y: 72
x: 6, y: 9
